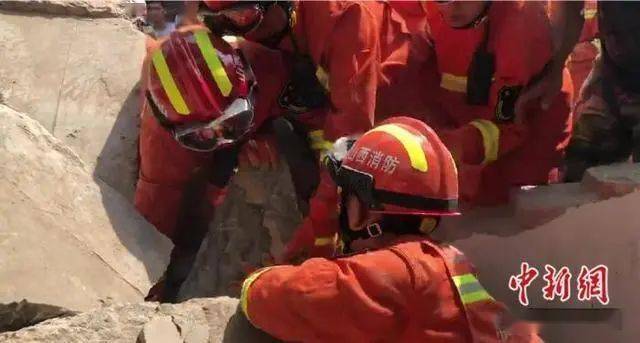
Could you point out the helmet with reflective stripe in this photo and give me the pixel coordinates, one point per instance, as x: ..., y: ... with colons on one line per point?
x: 197, y: 80
x: 401, y: 167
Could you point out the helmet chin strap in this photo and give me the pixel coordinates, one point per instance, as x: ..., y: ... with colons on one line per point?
x: 371, y: 230
x: 388, y: 223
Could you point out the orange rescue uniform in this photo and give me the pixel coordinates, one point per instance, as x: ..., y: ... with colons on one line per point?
x: 342, y: 38
x: 166, y: 167
x: 495, y: 152
x: 411, y: 291
x: 358, y: 46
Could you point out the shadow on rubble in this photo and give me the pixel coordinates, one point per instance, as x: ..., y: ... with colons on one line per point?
x: 17, y: 315
x: 239, y: 330
x: 116, y: 172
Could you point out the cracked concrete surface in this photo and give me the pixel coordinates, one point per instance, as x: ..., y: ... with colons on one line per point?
x: 65, y: 239
x: 78, y: 78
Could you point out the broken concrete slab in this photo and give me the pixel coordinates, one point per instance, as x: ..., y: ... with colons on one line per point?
x: 599, y: 233
x: 612, y: 180
x: 124, y: 323
x: 78, y: 78
x: 81, y: 8
x: 160, y: 329
x: 536, y: 205
x: 255, y: 221
x: 66, y: 240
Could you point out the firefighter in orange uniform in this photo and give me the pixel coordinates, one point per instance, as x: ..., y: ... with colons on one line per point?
x: 201, y: 107
x: 487, y: 52
x: 335, y: 51
x: 397, y: 285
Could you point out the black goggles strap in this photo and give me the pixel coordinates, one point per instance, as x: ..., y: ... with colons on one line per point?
x: 162, y: 120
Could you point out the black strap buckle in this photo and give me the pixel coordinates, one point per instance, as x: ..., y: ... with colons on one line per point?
x: 374, y: 230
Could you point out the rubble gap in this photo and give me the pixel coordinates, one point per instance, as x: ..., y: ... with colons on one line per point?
x: 17, y: 315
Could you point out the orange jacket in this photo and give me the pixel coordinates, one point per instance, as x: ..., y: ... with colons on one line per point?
x: 410, y: 291
x: 359, y: 46
x: 520, y: 39
x: 342, y: 38
x: 166, y: 167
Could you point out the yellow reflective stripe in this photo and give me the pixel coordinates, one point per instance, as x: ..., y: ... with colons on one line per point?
x: 321, y: 241
x: 316, y: 134
x: 246, y: 284
x: 454, y: 83
x: 169, y: 85
x: 464, y: 279
x: 490, y: 138
x: 470, y: 298
x: 318, y: 142
x: 410, y: 142
x: 470, y: 289
x: 213, y: 61
x: 323, y: 78
x: 590, y: 14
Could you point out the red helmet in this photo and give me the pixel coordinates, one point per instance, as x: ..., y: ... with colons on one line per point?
x: 241, y: 17
x: 233, y: 17
x: 400, y: 167
x: 200, y: 89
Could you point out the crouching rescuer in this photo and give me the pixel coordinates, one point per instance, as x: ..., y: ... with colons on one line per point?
x: 395, y: 284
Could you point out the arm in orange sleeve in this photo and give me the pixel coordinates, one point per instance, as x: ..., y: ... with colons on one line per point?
x: 483, y: 141
x: 353, y: 59
x: 356, y: 298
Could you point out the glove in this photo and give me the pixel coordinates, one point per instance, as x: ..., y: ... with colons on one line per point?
x: 317, y: 235
x: 260, y: 152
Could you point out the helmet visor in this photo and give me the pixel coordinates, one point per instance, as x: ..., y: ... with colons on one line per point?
x: 228, y: 129
x: 353, y: 182
x: 236, y: 20
x: 362, y: 185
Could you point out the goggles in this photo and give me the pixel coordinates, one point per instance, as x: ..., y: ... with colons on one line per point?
x: 362, y: 185
x: 235, y: 122
x: 236, y: 20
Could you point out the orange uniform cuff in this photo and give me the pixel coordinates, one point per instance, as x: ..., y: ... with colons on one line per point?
x: 246, y: 289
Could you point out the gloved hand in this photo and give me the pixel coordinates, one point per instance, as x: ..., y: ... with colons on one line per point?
x: 317, y: 235
x: 259, y: 152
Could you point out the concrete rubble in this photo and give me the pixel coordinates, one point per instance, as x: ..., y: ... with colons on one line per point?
x: 78, y: 77
x: 65, y: 239
x: 194, y: 321
x: 83, y: 8
x: 79, y: 258
x: 588, y: 231
x: 257, y: 218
